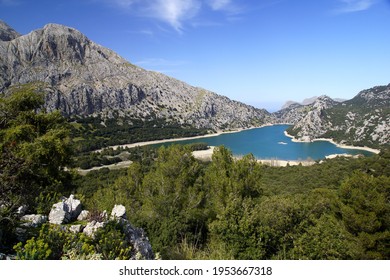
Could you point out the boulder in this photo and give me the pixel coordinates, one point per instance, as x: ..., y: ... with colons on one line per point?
x: 7, y: 257
x: 136, y: 236
x: 33, y: 220
x: 83, y: 215
x: 119, y: 211
x: 92, y: 227
x: 21, y: 210
x: 59, y: 214
x: 65, y: 211
x: 76, y: 228
x: 142, y: 247
x: 74, y: 207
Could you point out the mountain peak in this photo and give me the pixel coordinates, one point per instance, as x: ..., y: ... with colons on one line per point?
x: 288, y: 104
x: 83, y: 78
x: 7, y: 33
x: 324, y: 102
x: 309, y: 101
x: 55, y: 30
x: 323, y: 98
x: 373, y: 96
x: 59, y: 28
x: 306, y: 101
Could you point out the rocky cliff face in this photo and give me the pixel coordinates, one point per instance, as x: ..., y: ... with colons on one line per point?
x: 363, y: 120
x: 291, y: 114
x: 312, y: 122
x: 366, y: 117
x: 83, y: 78
x: 6, y: 32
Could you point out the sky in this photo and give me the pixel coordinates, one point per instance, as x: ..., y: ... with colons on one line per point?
x: 260, y: 52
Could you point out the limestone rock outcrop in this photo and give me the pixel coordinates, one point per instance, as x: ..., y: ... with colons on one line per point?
x: 65, y: 211
x: 7, y: 33
x: 69, y: 209
x: 91, y: 228
x: 119, y: 211
x: 313, y: 123
x: 83, y: 215
x: 33, y: 220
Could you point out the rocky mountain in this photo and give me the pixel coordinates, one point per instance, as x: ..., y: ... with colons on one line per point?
x: 6, y: 32
x: 312, y: 123
x: 291, y: 114
x: 288, y: 104
x: 363, y: 120
x: 83, y: 78
x: 306, y: 101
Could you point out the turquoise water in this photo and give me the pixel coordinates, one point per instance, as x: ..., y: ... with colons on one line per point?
x: 267, y: 143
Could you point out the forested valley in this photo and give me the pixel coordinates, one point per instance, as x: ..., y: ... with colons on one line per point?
x: 190, y: 209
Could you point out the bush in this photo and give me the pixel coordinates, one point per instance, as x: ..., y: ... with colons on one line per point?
x: 55, y: 242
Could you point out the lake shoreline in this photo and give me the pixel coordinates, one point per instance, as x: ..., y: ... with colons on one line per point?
x: 207, y: 154
x: 153, y: 142
x: 368, y: 149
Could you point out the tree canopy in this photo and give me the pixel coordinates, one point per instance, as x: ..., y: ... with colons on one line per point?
x: 34, y: 148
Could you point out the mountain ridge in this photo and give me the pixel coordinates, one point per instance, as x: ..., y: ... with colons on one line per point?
x: 362, y: 121
x: 7, y: 33
x: 83, y: 78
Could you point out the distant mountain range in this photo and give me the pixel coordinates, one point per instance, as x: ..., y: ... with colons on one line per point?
x: 83, y: 78
x: 308, y: 101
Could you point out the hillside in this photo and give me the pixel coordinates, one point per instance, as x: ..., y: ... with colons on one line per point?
x: 361, y: 121
x: 83, y: 78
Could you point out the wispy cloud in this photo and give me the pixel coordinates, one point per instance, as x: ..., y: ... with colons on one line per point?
x: 176, y: 13
x: 219, y: 4
x: 352, y: 6
x: 225, y: 5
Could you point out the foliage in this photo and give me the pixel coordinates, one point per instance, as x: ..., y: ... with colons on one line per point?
x: 326, y: 239
x: 8, y: 222
x: 92, y: 133
x: 110, y: 156
x: 226, y: 209
x: 239, y: 209
x: 47, y: 245
x: 34, y: 148
x: 54, y: 242
x: 172, y: 199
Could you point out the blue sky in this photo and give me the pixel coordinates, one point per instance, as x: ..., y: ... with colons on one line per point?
x: 261, y: 52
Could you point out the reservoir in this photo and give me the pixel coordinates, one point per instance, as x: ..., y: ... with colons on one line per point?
x: 270, y: 142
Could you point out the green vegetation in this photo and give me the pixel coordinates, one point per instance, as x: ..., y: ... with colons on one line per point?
x: 34, y: 148
x: 224, y: 209
x: 110, y: 156
x: 93, y: 133
x: 240, y: 209
x: 53, y: 243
